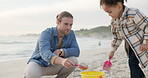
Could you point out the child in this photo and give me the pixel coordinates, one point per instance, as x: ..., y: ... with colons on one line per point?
x: 130, y: 25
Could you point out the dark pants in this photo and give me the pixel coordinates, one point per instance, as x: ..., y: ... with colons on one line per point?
x: 135, y: 70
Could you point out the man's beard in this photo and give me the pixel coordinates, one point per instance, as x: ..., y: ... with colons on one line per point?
x: 66, y: 32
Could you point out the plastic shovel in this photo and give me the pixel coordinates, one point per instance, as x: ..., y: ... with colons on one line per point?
x: 82, y: 66
x: 107, y: 65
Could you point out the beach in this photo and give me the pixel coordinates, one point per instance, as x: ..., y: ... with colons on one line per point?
x: 12, y: 69
x: 94, y: 58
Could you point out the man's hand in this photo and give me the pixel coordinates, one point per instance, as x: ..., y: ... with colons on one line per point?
x: 57, y: 52
x: 144, y: 47
x: 111, y: 54
x: 65, y: 62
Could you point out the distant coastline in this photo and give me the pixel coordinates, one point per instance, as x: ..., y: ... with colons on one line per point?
x: 97, y: 32
x: 30, y: 35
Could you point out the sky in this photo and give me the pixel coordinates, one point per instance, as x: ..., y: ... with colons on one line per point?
x: 19, y: 17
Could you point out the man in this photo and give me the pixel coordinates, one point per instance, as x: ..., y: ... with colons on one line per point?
x: 56, y: 50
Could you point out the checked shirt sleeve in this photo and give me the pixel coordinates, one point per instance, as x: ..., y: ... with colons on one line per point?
x: 116, y: 38
x: 142, y: 22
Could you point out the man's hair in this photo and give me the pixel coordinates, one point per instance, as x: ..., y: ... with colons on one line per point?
x: 63, y: 14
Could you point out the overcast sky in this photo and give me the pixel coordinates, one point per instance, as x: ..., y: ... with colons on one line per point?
x: 32, y: 16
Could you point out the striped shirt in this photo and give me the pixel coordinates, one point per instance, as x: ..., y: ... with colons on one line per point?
x: 133, y: 27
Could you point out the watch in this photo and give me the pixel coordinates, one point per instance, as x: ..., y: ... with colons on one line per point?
x: 62, y: 51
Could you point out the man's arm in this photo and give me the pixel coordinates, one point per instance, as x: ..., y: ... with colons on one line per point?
x: 44, y: 46
x: 73, y: 50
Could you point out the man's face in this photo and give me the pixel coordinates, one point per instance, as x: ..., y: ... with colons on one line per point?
x: 65, y: 25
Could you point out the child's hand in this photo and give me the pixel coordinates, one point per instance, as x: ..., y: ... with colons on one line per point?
x: 144, y: 47
x: 111, y: 54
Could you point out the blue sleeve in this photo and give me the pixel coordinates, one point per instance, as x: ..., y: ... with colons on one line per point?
x: 73, y: 50
x: 44, y: 46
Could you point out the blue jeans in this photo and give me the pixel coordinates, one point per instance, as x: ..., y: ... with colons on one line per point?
x: 135, y: 70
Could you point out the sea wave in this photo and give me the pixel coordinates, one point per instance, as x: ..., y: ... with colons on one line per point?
x: 22, y: 46
x: 16, y: 42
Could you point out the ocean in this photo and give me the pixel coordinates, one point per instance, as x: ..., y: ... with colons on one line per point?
x: 16, y: 47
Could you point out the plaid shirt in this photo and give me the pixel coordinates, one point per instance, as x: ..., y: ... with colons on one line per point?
x: 133, y: 27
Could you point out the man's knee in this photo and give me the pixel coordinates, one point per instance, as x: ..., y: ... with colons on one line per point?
x: 73, y: 59
x: 32, y: 70
x: 32, y: 75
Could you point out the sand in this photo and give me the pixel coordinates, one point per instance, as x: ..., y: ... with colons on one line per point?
x: 12, y: 69
x: 94, y: 58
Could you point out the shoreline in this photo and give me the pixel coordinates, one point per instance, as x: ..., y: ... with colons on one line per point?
x: 19, y: 58
x: 14, y: 59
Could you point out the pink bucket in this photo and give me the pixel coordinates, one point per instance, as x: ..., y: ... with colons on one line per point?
x: 107, y: 65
